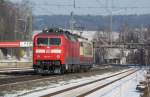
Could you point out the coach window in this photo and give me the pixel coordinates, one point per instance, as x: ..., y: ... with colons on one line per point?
x: 42, y: 41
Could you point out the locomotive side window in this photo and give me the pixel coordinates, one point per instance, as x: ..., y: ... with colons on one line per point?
x: 55, y: 41
x: 42, y: 41
x: 73, y: 38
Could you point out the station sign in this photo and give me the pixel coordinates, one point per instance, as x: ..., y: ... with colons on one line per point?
x: 16, y: 44
x: 26, y: 44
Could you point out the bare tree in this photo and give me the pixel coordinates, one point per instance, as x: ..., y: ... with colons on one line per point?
x: 15, y: 22
x: 14, y: 18
x: 100, y: 38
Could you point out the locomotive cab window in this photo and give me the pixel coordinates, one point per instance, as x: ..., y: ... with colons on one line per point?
x: 42, y: 41
x: 48, y: 41
x: 55, y: 41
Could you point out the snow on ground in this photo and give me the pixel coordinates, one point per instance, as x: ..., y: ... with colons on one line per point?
x: 84, y: 89
x: 65, y: 84
x: 119, y: 89
x: 58, y: 86
x: 123, y: 88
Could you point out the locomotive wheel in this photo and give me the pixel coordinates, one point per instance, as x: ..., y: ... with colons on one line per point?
x: 85, y: 70
x: 78, y: 69
x: 59, y: 70
x: 39, y: 71
x: 62, y: 70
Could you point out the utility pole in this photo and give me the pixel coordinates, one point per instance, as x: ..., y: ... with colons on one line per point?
x: 94, y: 50
x: 15, y: 34
x: 28, y: 22
x: 111, y: 21
x: 74, y: 4
x: 72, y: 22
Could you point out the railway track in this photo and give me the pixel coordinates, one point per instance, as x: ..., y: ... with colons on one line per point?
x: 23, y: 79
x: 32, y: 80
x: 28, y: 78
x: 15, y: 70
x: 104, y: 85
x: 85, y: 89
x: 17, y: 77
x: 76, y: 89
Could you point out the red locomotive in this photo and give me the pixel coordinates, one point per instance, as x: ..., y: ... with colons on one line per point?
x: 58, y: 51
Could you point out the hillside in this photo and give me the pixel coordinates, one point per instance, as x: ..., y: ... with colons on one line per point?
x: 91, y: 22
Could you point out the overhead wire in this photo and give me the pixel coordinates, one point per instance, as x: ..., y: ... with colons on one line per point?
x: 100, y: 6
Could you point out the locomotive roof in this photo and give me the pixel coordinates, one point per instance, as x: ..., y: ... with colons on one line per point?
x: 60, y: 31
x: 55, y: 31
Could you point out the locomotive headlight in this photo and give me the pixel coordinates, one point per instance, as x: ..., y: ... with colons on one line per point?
x: 40, y: 51
x: 55, y: 51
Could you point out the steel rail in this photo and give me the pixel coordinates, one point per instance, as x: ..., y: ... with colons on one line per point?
x: 100, y: 87
x: 26, y: 80
x: 81, y: 85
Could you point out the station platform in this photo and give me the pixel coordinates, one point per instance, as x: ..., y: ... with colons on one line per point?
x: 15, y: 70
x: 15, y: 64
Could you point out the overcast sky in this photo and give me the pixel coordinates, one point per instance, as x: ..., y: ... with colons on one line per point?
x: 89, y: 7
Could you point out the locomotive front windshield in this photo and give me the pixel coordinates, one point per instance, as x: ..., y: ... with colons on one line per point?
x: 48, y: 41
